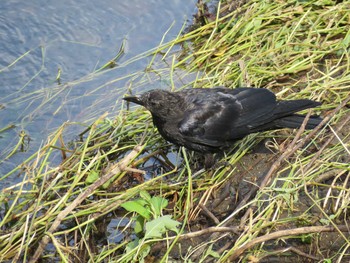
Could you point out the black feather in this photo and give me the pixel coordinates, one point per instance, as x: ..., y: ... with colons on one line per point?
x: 210, y: 120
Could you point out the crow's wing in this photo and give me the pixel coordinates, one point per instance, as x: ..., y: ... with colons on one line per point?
x: 219, y: 114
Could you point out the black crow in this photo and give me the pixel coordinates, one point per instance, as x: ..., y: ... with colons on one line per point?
x: 210, y: 120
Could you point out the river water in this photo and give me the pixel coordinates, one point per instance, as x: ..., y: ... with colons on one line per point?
x: 41, y: 40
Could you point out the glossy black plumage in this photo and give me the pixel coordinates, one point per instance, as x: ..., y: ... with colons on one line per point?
x: 211, y: 120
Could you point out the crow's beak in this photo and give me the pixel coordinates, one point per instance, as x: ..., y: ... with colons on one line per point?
x: 134, y: 99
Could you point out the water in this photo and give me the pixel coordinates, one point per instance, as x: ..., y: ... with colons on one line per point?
x: 41, y: 38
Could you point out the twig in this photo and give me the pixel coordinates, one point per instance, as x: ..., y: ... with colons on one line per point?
x: 292, y: 249
x: 209, y: 230
x: 285, y: 233
x: 209, y: 214
x: 134, y: 170
x: 327, y: 175
x: 303, y: 254
x: 115, y: 169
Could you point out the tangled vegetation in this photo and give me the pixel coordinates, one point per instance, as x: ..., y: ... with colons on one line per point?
x: 123, y: 194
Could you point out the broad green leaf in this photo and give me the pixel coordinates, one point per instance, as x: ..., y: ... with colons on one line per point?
x: 158, y: 203
x: 145, y: 195
x: 138, y: 207
x: 157, y: 227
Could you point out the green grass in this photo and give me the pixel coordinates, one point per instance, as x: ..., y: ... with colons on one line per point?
x: 298, y: 192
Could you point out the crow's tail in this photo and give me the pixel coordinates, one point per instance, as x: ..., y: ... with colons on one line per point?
x: 288, y: 107
x: 294, y: 121
x: 286, y: 117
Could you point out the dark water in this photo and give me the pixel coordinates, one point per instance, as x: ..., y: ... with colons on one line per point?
x: 40, y: 38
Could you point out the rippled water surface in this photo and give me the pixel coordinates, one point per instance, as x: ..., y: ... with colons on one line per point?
x: 41, y: 38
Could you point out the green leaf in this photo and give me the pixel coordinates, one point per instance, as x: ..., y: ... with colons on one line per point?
x: 145, y: 195
x: 139, y: 224
x: 138, y: 207
x: 131, y: 245
x: 346, y: 40
x: 142, y: 251
x: 158, y: 203
x: 324, y: 221
x: 146, y: 248
x: 211, y: 252
x: 307, y: 239
x: 107, y: 184
x: 92, y: 177
x: 157, y: 227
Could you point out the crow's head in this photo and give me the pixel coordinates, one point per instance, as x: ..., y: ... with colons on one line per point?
x: 158, y: 102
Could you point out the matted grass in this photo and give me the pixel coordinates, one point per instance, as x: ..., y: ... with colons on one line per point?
x: 291, y: 203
